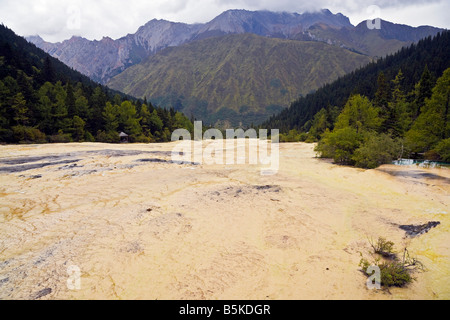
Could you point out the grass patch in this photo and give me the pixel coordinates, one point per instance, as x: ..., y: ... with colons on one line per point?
x: 394, y: 272
x: 384, y: 248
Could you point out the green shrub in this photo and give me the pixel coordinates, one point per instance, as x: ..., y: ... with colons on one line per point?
x: 88, y: 137
x: 142, y: 139
x: 384, y: 248
x: 376, y: 150
x: 443, y: 150
x: 432, y: 155
x: 339, y: 145
x: 108, y: 137
x: 61, y: 137
x: 23, y: 134
x: 293, y: 136
x: 393, y: 273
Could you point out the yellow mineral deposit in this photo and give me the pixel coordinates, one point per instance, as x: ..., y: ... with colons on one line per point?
x: 98, y: 221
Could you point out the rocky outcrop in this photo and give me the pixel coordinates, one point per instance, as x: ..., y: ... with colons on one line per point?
x: 101, y: 60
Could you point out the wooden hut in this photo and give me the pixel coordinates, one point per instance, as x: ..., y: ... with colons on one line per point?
x: 123, y: 137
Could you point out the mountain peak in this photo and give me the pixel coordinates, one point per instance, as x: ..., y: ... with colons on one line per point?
x: 36, y: 39
x: 77, y: 38
x: 268, y: 23
x: 400, y: 32
x: 158, y: 22
x: 232, y: 11
x: 107, y: 39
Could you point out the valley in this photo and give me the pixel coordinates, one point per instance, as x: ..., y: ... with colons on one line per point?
x: 238, y: 79
x: 101, y: 201
x: 188, y: 66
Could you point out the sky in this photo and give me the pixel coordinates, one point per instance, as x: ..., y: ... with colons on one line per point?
x: 57, y: 20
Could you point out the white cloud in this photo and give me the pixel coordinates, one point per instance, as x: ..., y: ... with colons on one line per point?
x: 56, y: 20
x: 434, y: 14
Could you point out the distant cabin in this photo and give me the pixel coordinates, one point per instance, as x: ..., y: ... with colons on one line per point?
x: 123, y: 137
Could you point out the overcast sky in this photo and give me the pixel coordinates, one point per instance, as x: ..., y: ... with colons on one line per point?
x: 57, y: 20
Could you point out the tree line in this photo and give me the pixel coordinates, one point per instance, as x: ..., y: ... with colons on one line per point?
x: 395, y: 124
x: 42, y: 100
x: 431, y: 51
x: 57, y: 112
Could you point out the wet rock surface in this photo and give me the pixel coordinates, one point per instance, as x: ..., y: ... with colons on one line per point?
x: 157, y: 160
x: 21, y: 168
x: 41, y: 294
x: 417, y: 230
x: 71, y: 160
x: 29, y: 163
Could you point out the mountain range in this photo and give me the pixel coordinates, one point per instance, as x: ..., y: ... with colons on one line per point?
x: 217, y: 71
x: 102, y: 60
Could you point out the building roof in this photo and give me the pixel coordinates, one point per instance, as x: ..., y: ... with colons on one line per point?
x: 123, y: 134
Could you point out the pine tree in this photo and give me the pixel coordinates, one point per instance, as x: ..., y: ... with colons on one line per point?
x: 397, y: 89
x: 382, y: 99
x: 319, y: 124
x: 26, y: 88
x: 117, y: 100
x: 60, y: 113
x: 110, y: 116
x: 82, y: 106
x: 155, y: 123
x: 432, y: 125
x: 78, y: 129
x: 20, y: 110
x: 424, y: 91
x: 4, y: 98
x: 382, y: 94
x: 128, y: 120
x: 182, y: 122
x: 145, y: 119
x: 48, y: 73
x: 70, y: 101
x: 359, y: 114
x: 151, y: 108
x: 97, y: 104
x: 397, y: 120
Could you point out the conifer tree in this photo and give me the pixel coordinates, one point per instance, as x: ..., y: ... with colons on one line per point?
x: 20, y: 110
x: 110, y: 116
x: 397, y: 119
x: 48, y: 72
x: 70, y: 101
x: 382, y: 95
x: 432, y: 125
x: 423, y: 91
x: 78, y: 129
